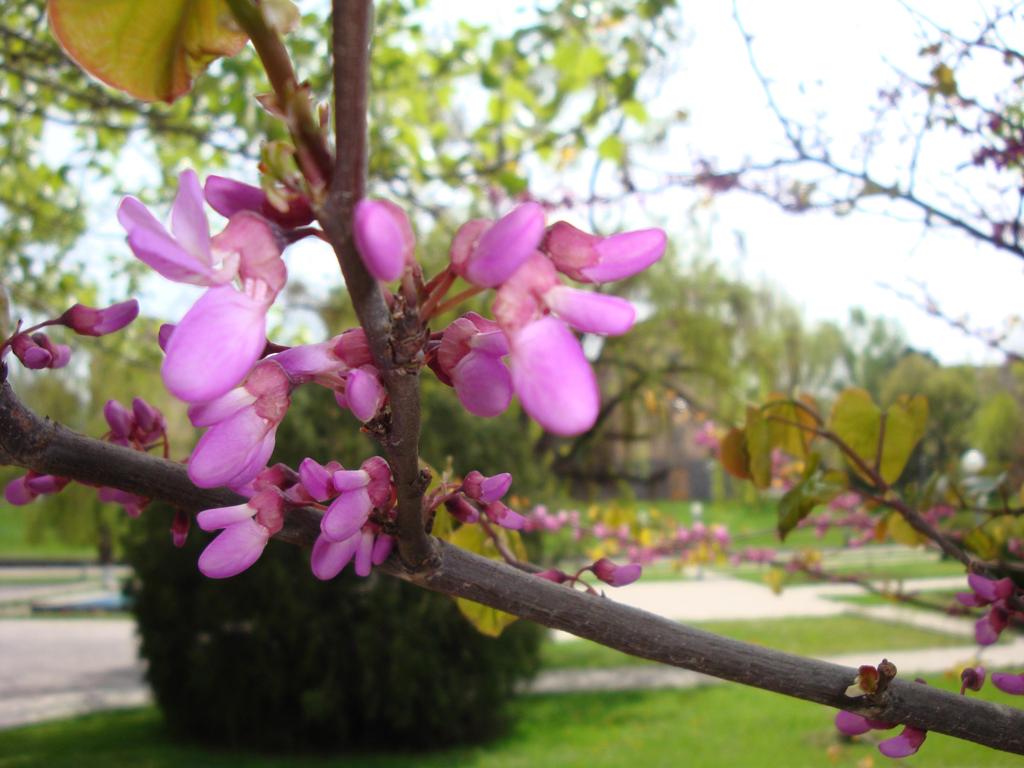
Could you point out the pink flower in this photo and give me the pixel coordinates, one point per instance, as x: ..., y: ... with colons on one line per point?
x: 487, y: 254
x: 27, y: 488
x: 593, y: 259
x: 904, y: 745
x: 616, y: 575
x: 364, y: 395
x: 1012, y: 684
x: 87, y: 321
x: 246, y: 530
x: 36, y: 351
x: 383, y: 238
x: 553, y: 379
x: 470, y: 356
x: 505, y: 517
x: 359, y: 493
x: 486, y: 489
x: 243, y: 425
x: 228, y: 197
x: 223, y: 334
x: 854, y: 725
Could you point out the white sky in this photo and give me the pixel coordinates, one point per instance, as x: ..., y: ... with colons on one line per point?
x: 842, y: 53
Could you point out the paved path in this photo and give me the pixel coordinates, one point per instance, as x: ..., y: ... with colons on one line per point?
x: 52, y: 668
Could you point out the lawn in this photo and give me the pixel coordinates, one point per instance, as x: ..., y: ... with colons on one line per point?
x: 721, y: 725
x: 15, y: 544
x: 807, y: 636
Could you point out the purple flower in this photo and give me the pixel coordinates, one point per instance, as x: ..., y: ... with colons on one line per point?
x: 246, y: 530
x: 364, y: 395
x: 243, y: 425
x: 470, y: 356
x: 25, y: 489
x: 228, y: 197
x: 505, y: 517
x: 616, y: 575
x: 593, y: 259
x: 1012, y: 684
x: 223, y: 334
x: 383, y: 238
x: 359, y: 492
x: 486, y: 489
x: 36, y: 351
x: 553, y: 379
x: 904, y: 745
x: 488, y: 254
x: 87, y: 321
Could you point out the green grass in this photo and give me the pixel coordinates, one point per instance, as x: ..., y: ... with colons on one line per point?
x: 722, y: 725
x: 826, y: 636
x: 15, y: 543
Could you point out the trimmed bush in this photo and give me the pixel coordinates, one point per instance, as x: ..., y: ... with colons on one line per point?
x: 274, y: 659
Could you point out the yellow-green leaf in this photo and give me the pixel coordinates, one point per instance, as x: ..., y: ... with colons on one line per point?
x: 150, y: 50
x: 732, y: 452
x: 883, y: 441
x: 487, y: 620
x: 899, y: 530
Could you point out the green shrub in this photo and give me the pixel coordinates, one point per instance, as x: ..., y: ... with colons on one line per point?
x: 275, y: 659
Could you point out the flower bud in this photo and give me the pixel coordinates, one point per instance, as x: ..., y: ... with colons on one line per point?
x: 616, y: 575
x: 30, y: 353
x: 383, y: 237
x: 87, y: 321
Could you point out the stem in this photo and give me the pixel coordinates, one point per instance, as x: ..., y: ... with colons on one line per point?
x: 457, y: 299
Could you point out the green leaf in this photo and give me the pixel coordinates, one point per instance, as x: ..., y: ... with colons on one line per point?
x: 759, y: 448
x: 803, y: 497
x: 151, y: 50
x: 883, y: 441
x: 488, y: 621
x: 612, y: 148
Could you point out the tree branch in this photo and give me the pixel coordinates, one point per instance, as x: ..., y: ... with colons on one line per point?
x: 44, y: 446
x: 395, y: 336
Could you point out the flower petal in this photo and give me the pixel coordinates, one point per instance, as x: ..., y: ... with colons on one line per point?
x: 483, y: 384
x: 236, y: 548
x: 851, y: 724
x: 228, y: 448
x: 624, y: 255
x: 505, y: 245
x: 364, y: 554
x: 227, y: 196
x: 904, y: 745
x: 215, y: 345
x: 553, y: 379
x: 330, y: 557
x: 364, y: 393
x: 153, y: 246
x: 1013, y: 684
x: 188, y: 220
x: 222, y: 517
x: 18, y: 493
x: 591, y: 312
x: 251, y: 239
x: 383, y: 237
x: 346, y: 515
